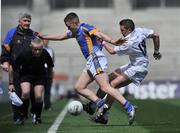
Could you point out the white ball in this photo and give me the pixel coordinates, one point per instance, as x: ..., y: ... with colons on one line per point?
x: 75, y: 107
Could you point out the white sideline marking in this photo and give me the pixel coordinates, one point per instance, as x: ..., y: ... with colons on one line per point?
x: 58, y: 120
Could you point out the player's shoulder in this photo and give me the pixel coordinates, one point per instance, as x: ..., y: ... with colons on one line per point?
x: 142, y: 29
x: 139, y: 29
x: 86, y: 26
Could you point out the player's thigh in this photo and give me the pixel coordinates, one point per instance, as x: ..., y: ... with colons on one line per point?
x: 103, y: 81
x: 83, y: 80
x: 119, y: 79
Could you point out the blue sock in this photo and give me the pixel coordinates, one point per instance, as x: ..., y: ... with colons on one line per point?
x: 127, y: 106
x: 99, y: 102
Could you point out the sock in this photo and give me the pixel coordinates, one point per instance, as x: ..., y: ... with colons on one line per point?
x: 16, y: 112
x: 127, y: 106
x: 32, y: 99
x: 99, y: 102
x: 38, y: 109
x: 25, y: 107
x: 92, y: 106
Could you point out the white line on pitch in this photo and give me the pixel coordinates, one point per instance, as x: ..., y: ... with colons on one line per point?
x: 58, y: 120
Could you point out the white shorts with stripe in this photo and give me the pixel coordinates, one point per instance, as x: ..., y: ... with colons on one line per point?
x: 135, y: 73
x: 96, y: 63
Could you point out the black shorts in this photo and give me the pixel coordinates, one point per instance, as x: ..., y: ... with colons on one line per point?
x: 33, y: 79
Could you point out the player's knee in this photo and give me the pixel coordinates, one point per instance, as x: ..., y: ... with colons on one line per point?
x: 113, y: 84
x: 78, y: 87
x: 104, y: 89
x: 25, y: 95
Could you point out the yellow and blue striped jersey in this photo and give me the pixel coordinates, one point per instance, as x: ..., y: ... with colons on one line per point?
x: 87, y: 41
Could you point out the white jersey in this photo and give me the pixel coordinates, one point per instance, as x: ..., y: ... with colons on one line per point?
x: 135, y: 47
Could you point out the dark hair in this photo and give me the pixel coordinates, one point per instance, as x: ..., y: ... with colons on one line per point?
x: 127, y: 23
x: 71, y: 16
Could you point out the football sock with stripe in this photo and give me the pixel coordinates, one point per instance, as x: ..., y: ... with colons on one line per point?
x: 128, y: 106
x: 99, y: 103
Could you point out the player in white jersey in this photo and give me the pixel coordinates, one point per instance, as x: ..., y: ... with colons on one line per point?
x: 137, y: 69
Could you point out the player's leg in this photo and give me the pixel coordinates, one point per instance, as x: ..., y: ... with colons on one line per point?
x: 25, y: 88
x: 16, y: 109
x: 81, y: 88
x: 91, y: 106
x: 120, y: 81
x: 101, y: 94
x: 102, y: 81
x: 117, y: 80
x: 38, y: 92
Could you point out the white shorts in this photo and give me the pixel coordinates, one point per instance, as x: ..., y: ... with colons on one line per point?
x: 135, y: 73
x: 96, y: 63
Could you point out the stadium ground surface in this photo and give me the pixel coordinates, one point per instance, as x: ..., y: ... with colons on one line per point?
x: 153, y: 116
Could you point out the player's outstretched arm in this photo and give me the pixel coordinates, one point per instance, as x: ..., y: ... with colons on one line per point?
x: 108, y: 47
x: 156, y: 40
x: 54, y: 37
x: 108, y: 39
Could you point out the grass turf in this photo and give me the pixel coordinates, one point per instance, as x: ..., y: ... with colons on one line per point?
x: 153, y: 116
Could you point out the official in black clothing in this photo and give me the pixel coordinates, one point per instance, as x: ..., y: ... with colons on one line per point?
x: 31, y: 67
x: 17, y: 40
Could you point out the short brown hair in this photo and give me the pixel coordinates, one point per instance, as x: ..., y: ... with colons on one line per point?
x: 127, y: 23
x: 71, y: 16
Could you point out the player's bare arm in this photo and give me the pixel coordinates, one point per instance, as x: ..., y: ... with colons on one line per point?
x: 108, y: 47
x: 55, y: 37
x: 108, y: 39
x: 156, y: 40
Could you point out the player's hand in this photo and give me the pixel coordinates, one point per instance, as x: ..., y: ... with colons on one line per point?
x: 38, y: 34
x: 120, y: 41
x: 5, y: 66
x: 157, y: 55
x: 11, y: 88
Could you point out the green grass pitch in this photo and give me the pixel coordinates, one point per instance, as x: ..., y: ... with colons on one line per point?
x: 153, y: 116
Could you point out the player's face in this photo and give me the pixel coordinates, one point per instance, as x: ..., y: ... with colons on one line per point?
x: 124, y: 30
x: 72, y: 25
x: 37, y: 49
x: 25, y: 23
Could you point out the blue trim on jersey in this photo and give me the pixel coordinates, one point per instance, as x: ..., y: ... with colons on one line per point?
x: 87, y: 41
x: 9, y: 36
